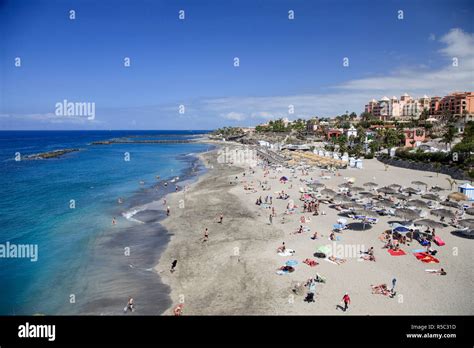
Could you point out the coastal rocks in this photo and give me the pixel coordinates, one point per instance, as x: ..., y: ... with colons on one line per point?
x: 50, y: 154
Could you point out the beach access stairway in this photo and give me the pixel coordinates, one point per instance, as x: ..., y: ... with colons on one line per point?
x: 271, y: 156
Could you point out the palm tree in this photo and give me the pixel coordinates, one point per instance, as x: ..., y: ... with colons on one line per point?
x: 449, y: 135
x: 452, y: 182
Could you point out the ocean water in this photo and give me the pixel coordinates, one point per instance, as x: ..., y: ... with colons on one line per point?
x: 82, y: 267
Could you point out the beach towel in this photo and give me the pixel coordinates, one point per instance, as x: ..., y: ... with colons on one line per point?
x: 426, y: 258
x: 287, y: 252
x: 396, y: 253
x: 418, y: 250
x: 439, y: 241
x: 291, y: 263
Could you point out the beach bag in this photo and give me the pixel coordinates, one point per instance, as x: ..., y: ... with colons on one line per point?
x: 319, y: 255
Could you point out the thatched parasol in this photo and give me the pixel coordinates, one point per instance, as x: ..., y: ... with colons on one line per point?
x: 417, y: 203
x: 400, y: 196
x: 469, y: 223
x: 341, y: 198
x: 470, y: 211
x: 383, y: 203
x: 386, y: 190
x: 328, y: 192
x: 429, y: 223
x: 316, y: 186
x: 352, y: 205
x: 407, y: 214
x: 419, y: 183
x: 395, y: 186
x: 451, y: 204
x: 370, y: 184
x: 367, y: 194
x: 430, y: 197
x: 443, y: 213
x: 410, y: 190
x: 436, y: 189
x: 356, y: 189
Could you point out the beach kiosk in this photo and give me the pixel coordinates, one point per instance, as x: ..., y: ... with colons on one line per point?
x: 468, y: 190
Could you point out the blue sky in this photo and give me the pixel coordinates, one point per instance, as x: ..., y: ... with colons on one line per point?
x: 190, y: 62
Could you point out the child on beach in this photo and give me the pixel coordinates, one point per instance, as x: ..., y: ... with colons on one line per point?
x: 347, y: 301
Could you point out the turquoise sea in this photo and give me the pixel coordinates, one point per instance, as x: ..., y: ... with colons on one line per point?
x: 65, y: 207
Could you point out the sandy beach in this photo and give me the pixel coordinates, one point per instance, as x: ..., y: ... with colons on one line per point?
x: 234, y: 272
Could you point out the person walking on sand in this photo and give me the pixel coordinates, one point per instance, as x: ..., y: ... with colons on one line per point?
x: 173, y: 265
x: 168, y: 211
x: 270, y: 219
x: 221, y: 218
x: 130, y: 305
x: 206, y: 235
x: 346, y: 300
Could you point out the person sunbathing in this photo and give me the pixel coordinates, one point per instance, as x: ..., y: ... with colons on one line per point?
x: 282, y: 248
x: 310, y: 262
x: 332, y: 236
x: 437, y: 272
x: 337, y: 260
x: 315, y: 236
x: 368, y: 257
x: 381, y: 289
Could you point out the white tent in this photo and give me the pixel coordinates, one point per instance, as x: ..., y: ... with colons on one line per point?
x: 468, y: 190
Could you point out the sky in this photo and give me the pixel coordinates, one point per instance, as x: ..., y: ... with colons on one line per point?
x: 182, y: 73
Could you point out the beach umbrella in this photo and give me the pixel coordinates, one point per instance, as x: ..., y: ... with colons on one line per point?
x: 417, y: 203
x: 401, y: 229
x: 367, y: 194
x: 411, y: 190
x: 407, y: 214
x: 316, y: 185
x: 443, y: 213
x: 383, y: 203
x: 430, y: 196
x: 469, y: 211
x: 370, y: 184
x: 328, y: 192
x: 465, y: 234
x: 429, y: 223
x: 436, y: 189
x: 352, y: 205
x: 386, y: 190
x: 457, y: 196
x: 345, y: 185
x: 341, y: 198
x: 451, y: 204
x: 342, y: 221
x: 395, y: 186
x: 419, y: 183
x: 283, y: 178
x: 356, y: 189
x: 351, y: 180
x: 366, y: 213
x: 469, y: 223
x: 400, y: 196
